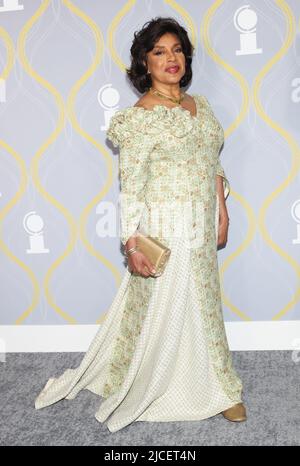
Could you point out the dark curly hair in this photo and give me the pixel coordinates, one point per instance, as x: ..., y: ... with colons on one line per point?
x: 145, y: 40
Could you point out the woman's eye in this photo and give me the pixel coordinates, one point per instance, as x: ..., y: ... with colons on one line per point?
x: 159, y: 52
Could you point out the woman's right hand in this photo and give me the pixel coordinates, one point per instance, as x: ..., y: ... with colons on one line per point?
x: 139, y: 264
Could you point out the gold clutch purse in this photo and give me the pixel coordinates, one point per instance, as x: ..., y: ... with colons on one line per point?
x: 154, y: 250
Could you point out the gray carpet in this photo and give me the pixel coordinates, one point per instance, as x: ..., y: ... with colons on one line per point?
x: 271, y: 394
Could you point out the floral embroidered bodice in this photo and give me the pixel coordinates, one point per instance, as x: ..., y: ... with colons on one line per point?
x: 166, y: 155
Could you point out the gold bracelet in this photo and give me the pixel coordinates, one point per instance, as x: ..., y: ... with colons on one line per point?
x: 130, y: 251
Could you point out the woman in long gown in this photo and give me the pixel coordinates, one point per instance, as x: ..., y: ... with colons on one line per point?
x: 162, y: 353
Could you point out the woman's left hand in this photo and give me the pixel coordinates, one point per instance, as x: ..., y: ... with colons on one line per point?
x: 223, y: 227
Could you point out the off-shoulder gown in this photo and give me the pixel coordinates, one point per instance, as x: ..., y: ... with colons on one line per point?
x: 162, y: 354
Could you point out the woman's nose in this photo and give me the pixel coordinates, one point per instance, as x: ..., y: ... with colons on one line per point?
x: 170, y: 55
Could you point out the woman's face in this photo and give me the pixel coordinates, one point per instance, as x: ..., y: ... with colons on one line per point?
x: 166, y: 53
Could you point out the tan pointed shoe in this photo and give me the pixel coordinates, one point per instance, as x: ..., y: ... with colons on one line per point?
x: 236, y: 413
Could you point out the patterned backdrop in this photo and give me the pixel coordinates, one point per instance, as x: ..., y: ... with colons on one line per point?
x: 63, y: 77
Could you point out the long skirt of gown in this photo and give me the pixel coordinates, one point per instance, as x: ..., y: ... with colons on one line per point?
x: 159, y: 355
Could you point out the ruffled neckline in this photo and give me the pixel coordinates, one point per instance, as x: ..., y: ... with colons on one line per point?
x: 162, y: 109
x: 177, y: 120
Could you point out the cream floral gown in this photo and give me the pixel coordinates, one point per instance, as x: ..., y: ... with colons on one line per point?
x: 162, y: 353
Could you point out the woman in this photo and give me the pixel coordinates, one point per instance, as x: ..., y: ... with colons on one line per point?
x: 162, y: 352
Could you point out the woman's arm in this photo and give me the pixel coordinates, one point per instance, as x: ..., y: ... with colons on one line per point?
x: 135, y: 149
x: 134, y: 169
x: 223, y: 190
x: 223, y: 214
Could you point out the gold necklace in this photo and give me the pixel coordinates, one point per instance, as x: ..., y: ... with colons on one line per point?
x: 173, y: 99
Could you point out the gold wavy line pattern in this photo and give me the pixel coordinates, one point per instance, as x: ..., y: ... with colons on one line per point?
x: 295, y: 152
x: 22, y: 188
x: 72, y: 116
x: 79, y: 231
x: 187, y: 19
x: 10, y: 54
x: 111, y: 33
x: 37, y: 157
x: 204, y: 33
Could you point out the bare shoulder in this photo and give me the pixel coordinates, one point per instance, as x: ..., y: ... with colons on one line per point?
x: 190, y: 103
x: 188, y: 98
x: 146, y: 101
